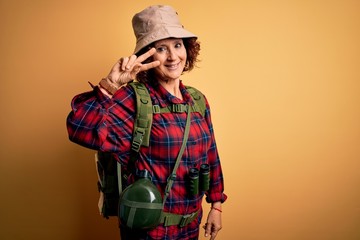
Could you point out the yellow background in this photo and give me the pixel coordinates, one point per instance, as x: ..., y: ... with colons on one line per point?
x: 283, y: 81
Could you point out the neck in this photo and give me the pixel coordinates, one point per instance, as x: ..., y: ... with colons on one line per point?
x: 173, y: 87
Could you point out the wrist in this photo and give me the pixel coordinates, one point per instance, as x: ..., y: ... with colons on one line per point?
x: 108, y: 85
x: 216, y: 206
x: 216, y: 209
x: 105, y: 92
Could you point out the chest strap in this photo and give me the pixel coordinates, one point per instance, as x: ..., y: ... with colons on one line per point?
x: 174, y: 108
x: 170, y: 219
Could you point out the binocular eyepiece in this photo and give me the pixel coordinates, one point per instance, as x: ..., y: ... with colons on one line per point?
x: 199, y: 180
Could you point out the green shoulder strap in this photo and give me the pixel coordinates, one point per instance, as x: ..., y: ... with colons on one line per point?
x: 199, y: 100
x: 143, y: 118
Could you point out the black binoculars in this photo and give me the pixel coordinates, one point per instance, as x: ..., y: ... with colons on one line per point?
x: 199, y: 180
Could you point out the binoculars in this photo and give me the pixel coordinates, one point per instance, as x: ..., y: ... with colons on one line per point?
x: 199, y: 180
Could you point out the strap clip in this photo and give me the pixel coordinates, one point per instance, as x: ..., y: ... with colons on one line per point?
x: 156, y: 109
x: 186, y: 219
x: 179, y: 108
x: 138, y: 138
x: 172, y: 177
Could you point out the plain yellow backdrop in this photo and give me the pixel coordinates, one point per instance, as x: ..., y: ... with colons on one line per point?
x: 283, y: 81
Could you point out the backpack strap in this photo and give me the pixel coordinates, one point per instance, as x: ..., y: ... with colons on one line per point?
x: 199, y: 100
x: 143, y: 119
x: 172, y: 177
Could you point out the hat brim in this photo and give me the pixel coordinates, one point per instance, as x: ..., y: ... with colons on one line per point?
x: 160, y: 34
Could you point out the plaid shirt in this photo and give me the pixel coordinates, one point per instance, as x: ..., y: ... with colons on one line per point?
x: 104, y: 124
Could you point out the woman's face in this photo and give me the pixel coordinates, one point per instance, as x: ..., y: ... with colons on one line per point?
x: 171, y: 53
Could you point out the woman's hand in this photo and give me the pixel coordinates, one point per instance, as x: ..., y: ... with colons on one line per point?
x: 213, y: 224
x: 127, y: 68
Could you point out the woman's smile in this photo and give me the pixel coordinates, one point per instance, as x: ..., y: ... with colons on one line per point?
x: 172, y: 66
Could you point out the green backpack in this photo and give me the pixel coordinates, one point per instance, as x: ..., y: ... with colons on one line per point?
x: 109, y: 170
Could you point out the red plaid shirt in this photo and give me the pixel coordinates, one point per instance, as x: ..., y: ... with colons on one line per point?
x: 104, y: 124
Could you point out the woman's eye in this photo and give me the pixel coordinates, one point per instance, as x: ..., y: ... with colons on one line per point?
x: 178, y: 45
x: 161, y: 49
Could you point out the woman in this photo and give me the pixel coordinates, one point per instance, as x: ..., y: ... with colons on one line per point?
x: 103, y: 119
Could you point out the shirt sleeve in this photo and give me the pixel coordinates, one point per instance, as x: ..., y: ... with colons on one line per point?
x: 101, y: 123
x: 216, y: 190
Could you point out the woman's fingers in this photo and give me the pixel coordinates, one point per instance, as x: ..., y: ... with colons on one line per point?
x: 212, y: 230
x: 146, y: 55
x: 147, y: 66
x: 123, y: 62
x: 132, y: 63
x: 133, y: 59
x: 128, y: 67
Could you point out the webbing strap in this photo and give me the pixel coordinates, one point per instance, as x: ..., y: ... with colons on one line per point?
x: 146, y: 205
x: 119, y: 175
x: 143, y: 122
x: 130, y: 220
x: 199, y: 100
x: 175, y: 108
x: 172, y: 177
x: 133, y: 205
x: 170, y: 219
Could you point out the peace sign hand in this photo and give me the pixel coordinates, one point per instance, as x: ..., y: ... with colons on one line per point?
x: 127, y: 68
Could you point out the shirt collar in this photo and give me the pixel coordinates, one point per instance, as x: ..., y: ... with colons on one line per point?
x: 163, y: 98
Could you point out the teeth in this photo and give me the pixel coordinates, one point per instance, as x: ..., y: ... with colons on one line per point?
x: 172, y: 66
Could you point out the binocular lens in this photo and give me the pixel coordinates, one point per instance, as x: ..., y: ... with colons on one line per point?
x: 204, y: 177
x: 194, y: 181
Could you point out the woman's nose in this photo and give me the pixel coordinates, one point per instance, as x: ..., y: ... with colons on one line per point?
x: 171, y: 54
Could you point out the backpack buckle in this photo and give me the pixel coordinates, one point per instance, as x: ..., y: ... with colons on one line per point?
x: 186, y: 219
x: 156, y: 109
x: 138, y: 138
x: 179, y: 108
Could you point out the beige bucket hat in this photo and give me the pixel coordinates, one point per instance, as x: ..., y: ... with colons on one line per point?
x: 156, y: 23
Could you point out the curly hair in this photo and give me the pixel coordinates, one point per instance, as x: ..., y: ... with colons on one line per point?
x: 192, y: 47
